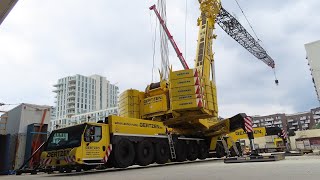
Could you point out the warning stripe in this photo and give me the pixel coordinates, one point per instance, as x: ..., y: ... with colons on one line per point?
x: 108, y: 152
x: 284, y: 134
x: 196, y: 73
x: 199, y: 102
x: 70, y: 159
x: 46, y: 161
x: 248, y: 124
x: 197, y: 81
x: 198, y: 89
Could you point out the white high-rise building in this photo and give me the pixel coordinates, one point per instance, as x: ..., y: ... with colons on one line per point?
x: 313, y: 56
x: 81, y: 94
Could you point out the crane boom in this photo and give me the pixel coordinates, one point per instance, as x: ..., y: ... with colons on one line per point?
x: 170, y: 37
x: 234, y: 29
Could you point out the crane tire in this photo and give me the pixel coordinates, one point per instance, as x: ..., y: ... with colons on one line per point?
x: 162, y: 152
x: 219, y: 150
x: 192, y: 151
x: 144, y: 153
x: 232, y: 152
x: 203, y: 150
x: 124, y: 153
x: 181, y: 151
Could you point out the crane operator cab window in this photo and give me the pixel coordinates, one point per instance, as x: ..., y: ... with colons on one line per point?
x: 93, y: 133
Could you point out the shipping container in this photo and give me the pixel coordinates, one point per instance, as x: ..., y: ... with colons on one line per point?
x: 4, y: 154
x: 20, y: 150
x: 23, y: 115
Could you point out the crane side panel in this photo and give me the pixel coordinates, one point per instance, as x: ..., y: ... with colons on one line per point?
x: 135, y: 126
x: 155, y: 104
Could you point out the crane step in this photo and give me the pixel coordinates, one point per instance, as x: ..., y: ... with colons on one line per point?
x: 260, y: 158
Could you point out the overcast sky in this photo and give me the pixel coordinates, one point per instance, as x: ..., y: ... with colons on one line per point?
x: 42, y: 41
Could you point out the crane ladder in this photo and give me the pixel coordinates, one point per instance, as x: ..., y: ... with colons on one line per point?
x: 171, y: 145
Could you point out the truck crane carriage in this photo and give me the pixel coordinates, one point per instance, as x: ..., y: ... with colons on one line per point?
x: 173, y: 120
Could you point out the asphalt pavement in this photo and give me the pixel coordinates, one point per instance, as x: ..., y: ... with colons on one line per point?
x: 292, y: 168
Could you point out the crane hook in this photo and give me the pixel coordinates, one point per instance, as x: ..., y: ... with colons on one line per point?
x: 276, y: 81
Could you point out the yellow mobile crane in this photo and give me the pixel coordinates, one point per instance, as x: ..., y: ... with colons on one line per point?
x: 172, y: 120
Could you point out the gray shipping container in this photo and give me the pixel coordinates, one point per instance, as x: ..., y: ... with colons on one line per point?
x: 23, y: 115
x: 17, y: 123
x: 20, y: 150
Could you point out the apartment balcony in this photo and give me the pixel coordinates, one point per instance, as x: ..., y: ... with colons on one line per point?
x: 256, y: 121
x: 257, y: 124
x: 72, y: 79
x: 294, y: 124
x: 71, y: 108
x: 277, y: 122
x: 268, y: 124
x: 293, y: 128
x: 72, y: 90
x: 70, y: 112
x: 316, y: 117
x: 72, y: 85
x: 71, y: 97
x: 269, y: 120
x: 57, y: 90
x: 317, y: 112
x: 72, y: 94
x: 305, y: 126
x: 303, y: 118
x: 307, y: 122
x: 57, y: 85
x: 71, y: 102
x: 290, y: 120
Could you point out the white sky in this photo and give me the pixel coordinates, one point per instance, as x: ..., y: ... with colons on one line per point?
x: 41, y: 41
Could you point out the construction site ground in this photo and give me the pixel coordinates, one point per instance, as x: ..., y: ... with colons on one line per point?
x: 298, y: 167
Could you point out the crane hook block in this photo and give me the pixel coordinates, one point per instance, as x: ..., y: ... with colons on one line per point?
x: 277, y: 82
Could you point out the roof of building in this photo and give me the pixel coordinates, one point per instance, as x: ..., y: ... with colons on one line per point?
x: 311, y: 43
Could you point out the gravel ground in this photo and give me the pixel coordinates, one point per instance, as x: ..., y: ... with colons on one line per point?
x: 303, y: 167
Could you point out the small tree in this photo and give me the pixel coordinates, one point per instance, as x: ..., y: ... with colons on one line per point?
x: 318, y: 126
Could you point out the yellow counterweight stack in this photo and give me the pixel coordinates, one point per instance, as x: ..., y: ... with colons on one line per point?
x: 191, y: 99
x: 129, y: 103
x: 186, y: 91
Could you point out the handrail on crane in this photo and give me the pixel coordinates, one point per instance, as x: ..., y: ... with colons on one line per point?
x: 170, y: 37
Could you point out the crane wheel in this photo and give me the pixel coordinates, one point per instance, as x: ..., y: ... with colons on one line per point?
x: 203, y: 150
x: 162, y: 152
x: 220, y: 152
x: 192, y: 151
x: 68, y: 170
x: 181, y: 151
x: 124, y: 153
x: 232, y: 152
x: 144, y: 153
